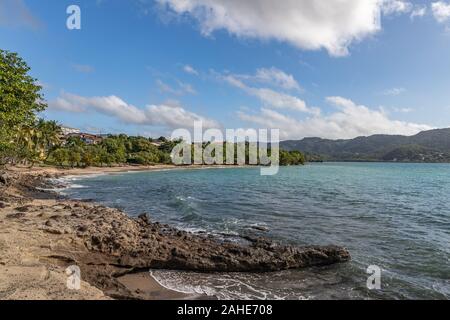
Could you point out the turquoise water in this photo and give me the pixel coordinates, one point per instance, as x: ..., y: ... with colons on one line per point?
x: 395, y: 216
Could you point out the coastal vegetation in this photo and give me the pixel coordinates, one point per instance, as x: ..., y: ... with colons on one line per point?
x: 26, y: 139
x: 432, y: 146
x: 20, y: 100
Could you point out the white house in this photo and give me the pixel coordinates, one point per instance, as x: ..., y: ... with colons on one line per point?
x: 67, y: 130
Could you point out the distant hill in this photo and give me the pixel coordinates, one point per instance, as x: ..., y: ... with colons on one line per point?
x: 426, y: 146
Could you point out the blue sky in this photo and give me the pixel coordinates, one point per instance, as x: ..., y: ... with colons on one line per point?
x: 350, y: 68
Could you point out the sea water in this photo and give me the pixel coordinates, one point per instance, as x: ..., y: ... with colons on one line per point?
x: 391, y: 215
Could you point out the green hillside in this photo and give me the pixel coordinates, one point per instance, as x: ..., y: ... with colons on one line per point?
x: 426, y: 146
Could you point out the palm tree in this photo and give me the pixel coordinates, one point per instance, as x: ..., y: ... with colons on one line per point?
x: 48, y: 136
x: 35, y: 142
x: 25, y: 138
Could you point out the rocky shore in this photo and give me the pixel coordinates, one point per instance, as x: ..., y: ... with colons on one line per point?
x: 43, y: 232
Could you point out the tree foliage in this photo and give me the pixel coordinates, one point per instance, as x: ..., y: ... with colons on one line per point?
x: 291, y: 158
x: 122, y: 149
x: 20, y: 100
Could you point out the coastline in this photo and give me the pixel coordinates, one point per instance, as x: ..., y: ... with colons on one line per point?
x: 60, y: 172
x: 19, y: 269
x: 43, y: 233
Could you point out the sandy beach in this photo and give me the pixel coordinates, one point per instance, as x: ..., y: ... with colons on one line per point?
x: 29, y: 265
x: 41, y: 234
x: 30, y: 273
x: 57, y: 171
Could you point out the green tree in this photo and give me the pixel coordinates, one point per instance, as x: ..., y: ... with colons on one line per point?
x: 20, y: 100
x: 291, y: 158
x: 104, y: 157
x: 87, y: 158
x: 48, y: 137
x: 75, y: 156
x: 60, y: 156
x: 75, y: 141
x: 25, y: 142
x: 115, y: 147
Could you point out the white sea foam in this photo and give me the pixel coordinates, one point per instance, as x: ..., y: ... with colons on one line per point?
x: 224, y: 286
x: 77, y: 186
x: 192, y: 229
x: 70, y: 182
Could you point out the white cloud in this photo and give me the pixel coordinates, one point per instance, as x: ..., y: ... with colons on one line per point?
x: 169, y: 115
x: 332, y: 25
x: 393, y: 91
x: 403, y: 110
x: 182, y: 89
x: 189, y: 69
x: 441, y: 11
x: 273, y: 77
x: 66, y: 103
x: 419, y: 11
x: 270, y: 97
x: 175, y: 117
x: 276, y: 77
x: 396, y: 7
x: 186, y: 87
x: 349, y: 121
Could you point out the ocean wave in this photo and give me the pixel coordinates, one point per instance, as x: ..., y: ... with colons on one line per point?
x: 77, y: 186
x: 65, y: 183
x: 188, y: 199
x: 224, y: 286
x: 84, y: 176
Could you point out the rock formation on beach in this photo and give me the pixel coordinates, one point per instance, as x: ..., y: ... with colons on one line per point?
x: 106, y: 243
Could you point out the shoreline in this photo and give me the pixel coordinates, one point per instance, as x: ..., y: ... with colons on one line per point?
x: 143, y: 284
x: 56, y: 171
x: 112, y: 248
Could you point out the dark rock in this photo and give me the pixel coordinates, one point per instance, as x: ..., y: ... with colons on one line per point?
x: 82, y: 228
x: 170, y: 248
x: 4, y: 178
x: 16, y: 215
x: 260, y: 228
x: 49, y: 223
x: 88, y: 200
x: 144, y: 218
x: 53, y: 231
x: 23, y: 209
